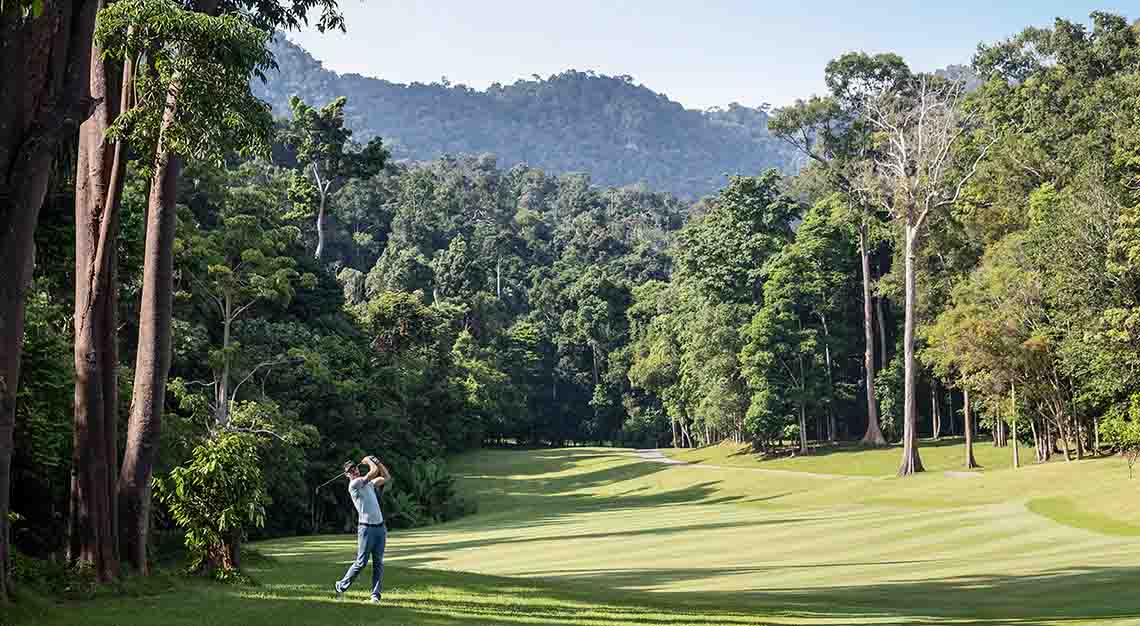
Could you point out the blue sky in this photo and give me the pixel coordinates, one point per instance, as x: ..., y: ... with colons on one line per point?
x: 701, y: 54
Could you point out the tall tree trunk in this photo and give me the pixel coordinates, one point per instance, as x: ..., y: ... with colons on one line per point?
x: 1078, y: 434
x: 44, y: 63
x: 320, y: 222
x: 874, y: 435
x: 153, y: 360
x: 935, y: 414
x: 222, y: 388
x: 911, y: 462
x: 1039, y: 440
x: 1013, y: 422
x: 880, y: 314
x: 831, y: 425
x: 803, y: 428
x: 968, y: 428
x: 98, y: 193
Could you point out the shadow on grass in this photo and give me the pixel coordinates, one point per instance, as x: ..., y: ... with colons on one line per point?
x: 666, y: 531
x: 419, y: 596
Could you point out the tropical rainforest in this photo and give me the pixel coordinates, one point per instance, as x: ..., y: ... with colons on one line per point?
x: 217, y: 283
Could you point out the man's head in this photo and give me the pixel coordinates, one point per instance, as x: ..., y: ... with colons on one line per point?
x: 351, y: 471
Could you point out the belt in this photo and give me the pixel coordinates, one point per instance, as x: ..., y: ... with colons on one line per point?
x: 380, y: 525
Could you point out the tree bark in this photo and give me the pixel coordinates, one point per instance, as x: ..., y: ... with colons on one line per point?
x: 153, y: 360
x: 1013, y: 425
x: 968, y: 427
x: 222, y: 389
x: 831, y: 425
x: 911, y: 462
x: 803, y: 428
x: 881, y: 315
x: 935, y: 414
x: 874, y: 435
x: 98, y: 194
x: 44, y: 61
x: 1079, y: 435
x: 320, y: 222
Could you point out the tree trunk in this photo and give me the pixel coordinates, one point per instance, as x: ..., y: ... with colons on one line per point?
x: 831, y: 426
x: 45, y: 63
x: 881, y: 315
x: 222, y: 388
x: 874, y: 435
x: 935, y: 413
x: 98, y: 193
x: 911, y: 462
x: 968, y: 428
x: 803, y: 428
x: 1013, y: 423
x: 1039, y: 441
x: 1063, y: 426
x: 1078, y: 434
x: 153, y: 360
x: 320, y: 223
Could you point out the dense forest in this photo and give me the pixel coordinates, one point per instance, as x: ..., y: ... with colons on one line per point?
x: 609, y: 127
x: 206, y: 309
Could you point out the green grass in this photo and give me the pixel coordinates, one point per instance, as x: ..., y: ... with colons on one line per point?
x: 597, y: 537
x: 948, y: 454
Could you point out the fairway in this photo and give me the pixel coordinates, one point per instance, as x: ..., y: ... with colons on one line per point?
x: 600, y: 536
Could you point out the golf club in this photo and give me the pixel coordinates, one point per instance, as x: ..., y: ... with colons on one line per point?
x: 338, y: 476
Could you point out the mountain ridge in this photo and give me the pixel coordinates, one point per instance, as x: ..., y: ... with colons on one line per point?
x: 619, y: 132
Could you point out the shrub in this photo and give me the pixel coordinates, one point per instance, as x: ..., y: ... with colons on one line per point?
x: 213, y: 497
x: 1121, y: 430
x: 425, y: 496
x: 52, y: 577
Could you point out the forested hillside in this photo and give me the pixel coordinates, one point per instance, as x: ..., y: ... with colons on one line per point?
x: 205, y: 309
x: 611, y: 128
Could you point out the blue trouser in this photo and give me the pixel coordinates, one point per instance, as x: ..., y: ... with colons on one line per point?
x: 370, y: 541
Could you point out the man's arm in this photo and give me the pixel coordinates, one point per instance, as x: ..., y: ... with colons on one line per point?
x: 377, y: 473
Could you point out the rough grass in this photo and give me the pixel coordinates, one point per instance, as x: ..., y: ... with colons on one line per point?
x: 598, y: 537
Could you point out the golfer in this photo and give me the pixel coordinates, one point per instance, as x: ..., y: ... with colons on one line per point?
x: 371, y: 536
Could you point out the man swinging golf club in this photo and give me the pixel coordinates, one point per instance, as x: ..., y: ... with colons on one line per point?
x: 371, y: 536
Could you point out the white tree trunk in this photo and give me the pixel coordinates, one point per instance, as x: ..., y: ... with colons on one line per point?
x: 911, y: 463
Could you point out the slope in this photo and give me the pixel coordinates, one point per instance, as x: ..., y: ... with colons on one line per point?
x: 609, y: 127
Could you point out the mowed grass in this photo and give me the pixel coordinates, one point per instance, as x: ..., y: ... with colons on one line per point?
x: 947, y: 454
x: 596, y: 536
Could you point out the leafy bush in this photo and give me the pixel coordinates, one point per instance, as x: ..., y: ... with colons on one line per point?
x: 425, y: 496
x: 51, y: 576
x: 213, y: 497
x: 645, y: 429
x: 889, y: 392
x: 1121, y: 430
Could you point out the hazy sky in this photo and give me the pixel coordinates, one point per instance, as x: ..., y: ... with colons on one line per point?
x: 700, y: 53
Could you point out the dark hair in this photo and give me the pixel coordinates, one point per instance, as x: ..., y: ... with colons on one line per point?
x: 349, y: 466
